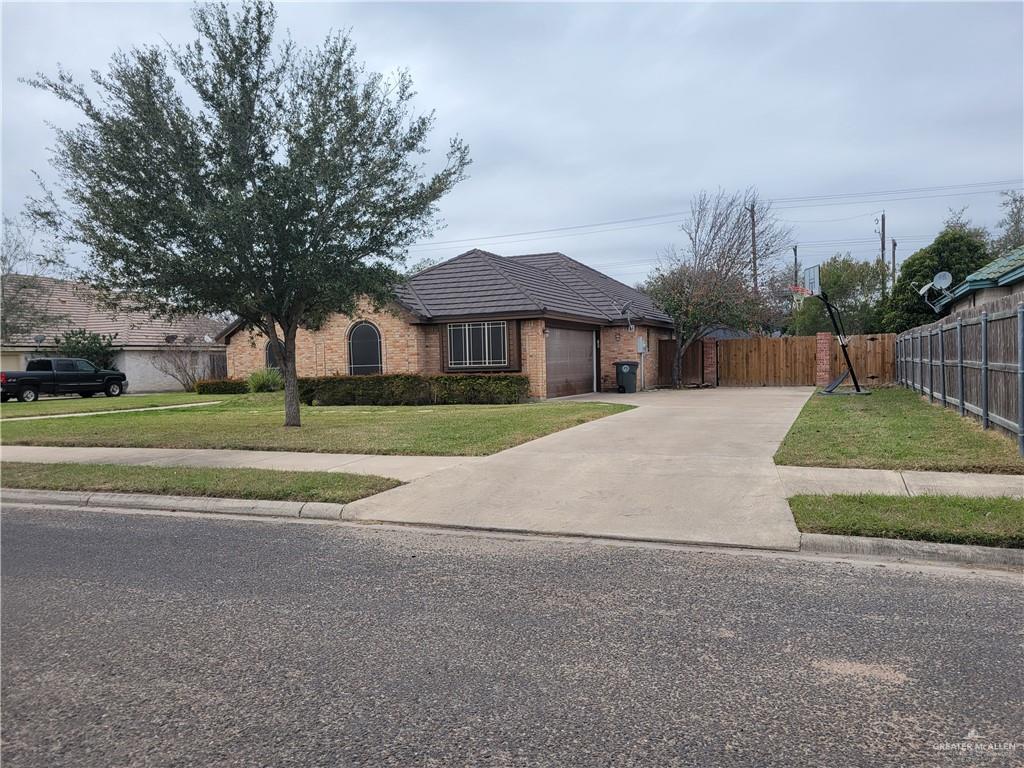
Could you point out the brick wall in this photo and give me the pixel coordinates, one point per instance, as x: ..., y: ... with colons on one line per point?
x: 710, y: 362
x: 619, y: 343
x: 534, y: 356
x: 405, y: 347
x: 823, y: 360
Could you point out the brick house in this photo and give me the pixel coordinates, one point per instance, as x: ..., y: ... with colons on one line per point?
x: 559, y: 322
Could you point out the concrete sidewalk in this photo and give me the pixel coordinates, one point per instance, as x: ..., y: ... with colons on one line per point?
x: 405, y: 468
x: 890, y: 482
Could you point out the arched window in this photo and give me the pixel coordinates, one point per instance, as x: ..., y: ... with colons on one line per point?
x: 363, y: 349
x: 271, y: 356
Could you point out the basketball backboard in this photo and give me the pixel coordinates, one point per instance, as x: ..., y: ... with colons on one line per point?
x: 812, y: 280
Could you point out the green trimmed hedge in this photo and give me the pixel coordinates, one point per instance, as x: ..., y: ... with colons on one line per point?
x: 414, y: 389
x: 222, y: 387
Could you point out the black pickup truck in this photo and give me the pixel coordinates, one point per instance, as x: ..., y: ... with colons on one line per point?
x: 60, y: 376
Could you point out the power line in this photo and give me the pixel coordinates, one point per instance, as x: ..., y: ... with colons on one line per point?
x: 651, y: 220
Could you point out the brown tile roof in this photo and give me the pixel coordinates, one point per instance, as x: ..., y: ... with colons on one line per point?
x: 134, y: 329
x: 479, y: 283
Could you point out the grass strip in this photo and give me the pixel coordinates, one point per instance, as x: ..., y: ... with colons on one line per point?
x: 240, y: 483
x: 990, y: 522
x: 894, y: 428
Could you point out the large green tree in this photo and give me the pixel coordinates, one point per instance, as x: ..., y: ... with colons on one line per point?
x: 242, y: 175
x: 855, y: 287
x: 959, y: 249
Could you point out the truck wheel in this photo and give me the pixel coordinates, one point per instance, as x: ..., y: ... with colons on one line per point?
x: 113, y: 389
x: 28, y: 395
x: 87, y: 394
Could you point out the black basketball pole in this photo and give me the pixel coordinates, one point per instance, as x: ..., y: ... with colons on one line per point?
x: 842, y: 338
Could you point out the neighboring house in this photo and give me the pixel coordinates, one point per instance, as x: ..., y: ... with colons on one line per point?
x: 1000, y: 277
x: 545, y: 315
x: 147, y: 345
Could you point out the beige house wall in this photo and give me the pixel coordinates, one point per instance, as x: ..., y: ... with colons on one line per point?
x: 405, y: 347
x: 410, y: 348
x: 619, y: 343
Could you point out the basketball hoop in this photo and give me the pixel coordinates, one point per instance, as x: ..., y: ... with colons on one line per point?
x: 799, y: 294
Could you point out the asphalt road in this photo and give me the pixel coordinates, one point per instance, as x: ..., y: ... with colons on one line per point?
x: 141, y: 640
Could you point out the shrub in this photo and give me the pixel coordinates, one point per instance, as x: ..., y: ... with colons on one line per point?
x: 414, y: 389
x: 266, y: 380
x: 222, y: 387
x: 98, y: 348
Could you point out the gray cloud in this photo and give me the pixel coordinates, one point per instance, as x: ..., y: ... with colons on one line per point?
x: 589, y: 113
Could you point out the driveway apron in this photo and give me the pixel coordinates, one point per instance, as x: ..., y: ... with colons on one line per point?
x: 691, y: 466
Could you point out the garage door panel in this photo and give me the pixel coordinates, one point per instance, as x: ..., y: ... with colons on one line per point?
x: 570, y: 362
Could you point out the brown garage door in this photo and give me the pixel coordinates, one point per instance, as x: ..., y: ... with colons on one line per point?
x: 570, y: 364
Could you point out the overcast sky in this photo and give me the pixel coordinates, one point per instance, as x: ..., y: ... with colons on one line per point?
x: 584, y: 114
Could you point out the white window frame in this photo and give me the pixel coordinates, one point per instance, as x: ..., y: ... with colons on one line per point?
x: 489, y: 361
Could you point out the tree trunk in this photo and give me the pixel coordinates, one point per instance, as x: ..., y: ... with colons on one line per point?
x: 677, y: 363
x: 291, y: 380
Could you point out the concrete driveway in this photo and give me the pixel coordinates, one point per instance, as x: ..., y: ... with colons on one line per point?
x: 689, y: 466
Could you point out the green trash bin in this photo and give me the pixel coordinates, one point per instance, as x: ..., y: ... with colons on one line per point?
x: 625, y: 375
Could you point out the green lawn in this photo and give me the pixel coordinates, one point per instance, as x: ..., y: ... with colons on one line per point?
x: 952, y: 519
x: 254, y: 422
x: 47, y: 406
x: 893, y: 428
x: 269, y: 484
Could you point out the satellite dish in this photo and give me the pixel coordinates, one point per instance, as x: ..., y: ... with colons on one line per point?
x: 943, y: 280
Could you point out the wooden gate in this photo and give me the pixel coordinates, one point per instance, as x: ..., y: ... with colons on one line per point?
x: 873, y: 357
x: 763, y: 361
x: 788, y: 361
x: 693, y: 364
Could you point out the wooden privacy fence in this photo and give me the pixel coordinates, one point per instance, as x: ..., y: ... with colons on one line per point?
x: 973, y: 361
x: 762, y: 361
x: 782, y: 361
x: 692, y: 372
x: 873, y: 357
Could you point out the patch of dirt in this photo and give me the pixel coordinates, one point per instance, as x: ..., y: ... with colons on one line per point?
x: 859, y: 672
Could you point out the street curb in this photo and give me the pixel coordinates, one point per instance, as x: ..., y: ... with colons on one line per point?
x: 900, y: 549
x: 810, y: 543
x: 315, y: 510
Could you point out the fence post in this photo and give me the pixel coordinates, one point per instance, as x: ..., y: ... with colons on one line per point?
x: 915, y: 345
x: 960, y: 361
x: 899, y: 360
x: 942, y: 363
x: 931, y: 374
x: 984, y: 369
x: 1020, y: 378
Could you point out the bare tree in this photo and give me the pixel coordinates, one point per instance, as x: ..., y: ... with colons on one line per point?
x: 182, y: 361
x: 1011, y: 225
x: 719, y: 228
x: 25, y: 263
x: 710, y: 283
x: 701, y: 292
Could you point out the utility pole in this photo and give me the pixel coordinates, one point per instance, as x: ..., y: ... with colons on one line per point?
x: 881, y: 257
x: 796, y: 268
x: 894, y: 265
x: 753, y: 241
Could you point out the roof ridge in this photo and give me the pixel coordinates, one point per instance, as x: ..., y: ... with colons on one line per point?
x: 575, y: 292
x: 573, y: 264
x: 412, y: 289
x: 511, y: 281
